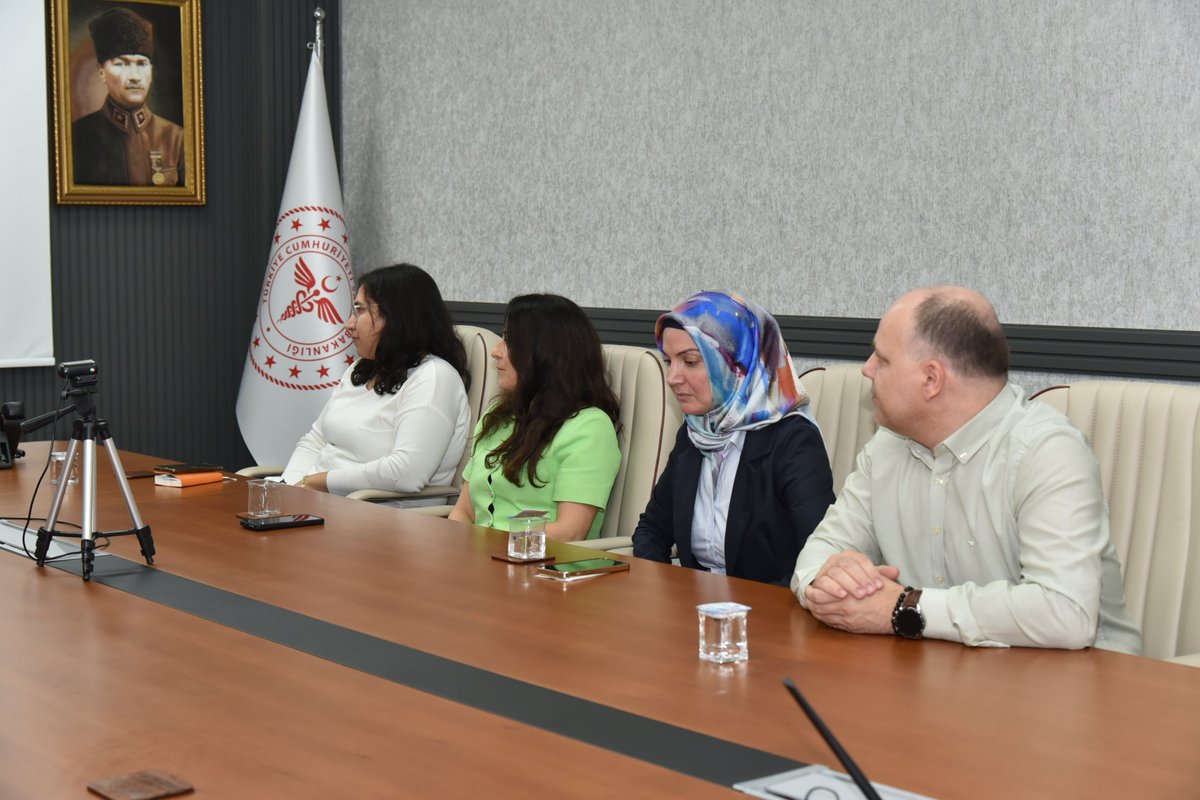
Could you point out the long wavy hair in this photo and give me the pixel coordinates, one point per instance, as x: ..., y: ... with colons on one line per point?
x: 560, y: 371
x: 416, y: 324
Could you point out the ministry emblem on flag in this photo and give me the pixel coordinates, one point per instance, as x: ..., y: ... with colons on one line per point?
x: 300, y: 342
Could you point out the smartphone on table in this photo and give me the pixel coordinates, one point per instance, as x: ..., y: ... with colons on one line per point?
x: 586, y: 568
x: 282, y: 521
x: 183, y: 469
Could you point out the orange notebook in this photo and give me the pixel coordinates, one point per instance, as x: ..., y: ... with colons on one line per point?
x: 187, y: 478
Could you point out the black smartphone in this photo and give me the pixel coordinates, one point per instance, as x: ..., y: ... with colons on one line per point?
x: 282, y: 521
x: 180, y: 469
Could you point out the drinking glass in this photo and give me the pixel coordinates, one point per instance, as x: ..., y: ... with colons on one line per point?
x: 264, y: 499
x: 527, y: 535
x: 723, y: 632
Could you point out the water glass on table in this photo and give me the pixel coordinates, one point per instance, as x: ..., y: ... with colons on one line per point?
x: 264, y: 498
x: 723, y: 632
x: 58, y: 460
x: 527, y: 535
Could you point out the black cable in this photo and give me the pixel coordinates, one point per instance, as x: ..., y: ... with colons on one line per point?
x: 73, y: 554
x: 37, y: 487
x: 76, y: 525
x: 43, y: 519
x: 25, y: 532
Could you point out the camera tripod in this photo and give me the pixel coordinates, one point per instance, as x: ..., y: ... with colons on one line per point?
x: 86, y: 432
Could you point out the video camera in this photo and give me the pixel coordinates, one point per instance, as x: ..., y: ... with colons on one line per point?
x: 81, y: 374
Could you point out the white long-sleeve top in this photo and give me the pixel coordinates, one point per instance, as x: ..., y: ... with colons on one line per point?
x: 396, y: 442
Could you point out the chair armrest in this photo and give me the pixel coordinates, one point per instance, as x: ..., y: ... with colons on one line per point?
x: 267, y: 471
x: 606, y: 543
x: 621, y: 545
x: 1192, y: 660
x: 430, y: 511
x: 381, y: 495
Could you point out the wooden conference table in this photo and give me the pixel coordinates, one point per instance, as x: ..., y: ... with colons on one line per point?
x: 97, y: 681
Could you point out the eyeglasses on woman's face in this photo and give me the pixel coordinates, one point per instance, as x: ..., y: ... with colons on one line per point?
x: 364, y: 325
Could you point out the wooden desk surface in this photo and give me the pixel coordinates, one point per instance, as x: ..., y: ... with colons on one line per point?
x: 932, y: 717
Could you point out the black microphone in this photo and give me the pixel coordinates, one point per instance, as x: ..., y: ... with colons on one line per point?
x: 860, y: 780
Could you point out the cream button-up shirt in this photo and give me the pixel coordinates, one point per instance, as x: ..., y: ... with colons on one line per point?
x: 1003, y: 525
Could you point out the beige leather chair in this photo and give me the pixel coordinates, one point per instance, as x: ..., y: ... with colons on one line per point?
x: 841, y: 405
x: 1147, y: 439
x: 482, y: 392
x: 650, y: 417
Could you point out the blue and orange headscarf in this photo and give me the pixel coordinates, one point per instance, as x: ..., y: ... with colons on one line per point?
x: 754, y: 383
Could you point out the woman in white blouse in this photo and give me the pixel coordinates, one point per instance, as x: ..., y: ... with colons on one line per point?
x: 399, y: 419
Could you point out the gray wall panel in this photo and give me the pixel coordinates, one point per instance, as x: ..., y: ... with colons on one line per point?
x: 820, y: 157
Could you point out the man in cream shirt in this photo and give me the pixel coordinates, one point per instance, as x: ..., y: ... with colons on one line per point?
x: 974, y: 514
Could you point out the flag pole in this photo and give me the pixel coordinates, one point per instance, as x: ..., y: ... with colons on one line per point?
x: 318, y: 46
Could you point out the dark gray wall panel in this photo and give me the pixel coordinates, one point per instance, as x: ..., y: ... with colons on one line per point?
x: 1109, y: 352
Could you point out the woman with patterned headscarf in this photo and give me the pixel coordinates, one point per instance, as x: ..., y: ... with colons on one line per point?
x: 748, y: 478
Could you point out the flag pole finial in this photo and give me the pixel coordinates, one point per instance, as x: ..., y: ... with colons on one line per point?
x: 318, y: 46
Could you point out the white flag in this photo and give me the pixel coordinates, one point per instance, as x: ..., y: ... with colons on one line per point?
x: 298, y: 348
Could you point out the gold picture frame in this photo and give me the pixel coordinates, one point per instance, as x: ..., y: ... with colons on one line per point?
x: 128, y: 129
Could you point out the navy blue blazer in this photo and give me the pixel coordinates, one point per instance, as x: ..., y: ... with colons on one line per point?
x: 781, y: 491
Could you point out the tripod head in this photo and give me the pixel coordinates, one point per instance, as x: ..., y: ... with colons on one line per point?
x: 83, y: 379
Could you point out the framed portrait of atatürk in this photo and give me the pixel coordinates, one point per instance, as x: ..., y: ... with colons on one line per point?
x: 128, y: 102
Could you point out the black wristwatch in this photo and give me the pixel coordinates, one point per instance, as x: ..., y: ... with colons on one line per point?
x: 907, y: 619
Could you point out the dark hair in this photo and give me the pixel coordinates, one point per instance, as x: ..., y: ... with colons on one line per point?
x: 560, y: 371
x: 671, y: 322
x: 416, y: 324
x: 970, y: 339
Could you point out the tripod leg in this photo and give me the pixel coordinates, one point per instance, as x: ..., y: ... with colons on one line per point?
x: 46, y: 532
x: 141, y: 529
x: 87, y: 552
x: 42, y: 547
x: 87, y: 544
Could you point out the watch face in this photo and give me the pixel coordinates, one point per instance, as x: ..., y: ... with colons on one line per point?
x: 909, y: 622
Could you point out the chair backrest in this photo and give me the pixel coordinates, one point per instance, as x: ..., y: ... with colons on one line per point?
x: 650, y: 416
x: 1146, y: 437
x: 485, y: 386
x: 841, y: 405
